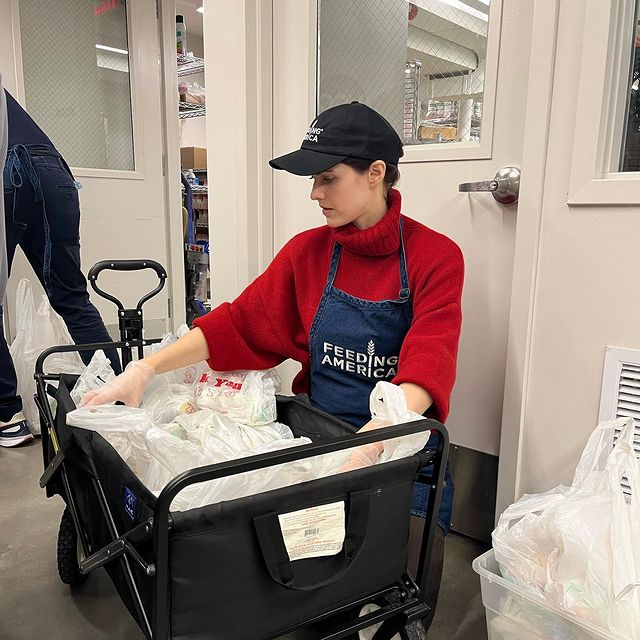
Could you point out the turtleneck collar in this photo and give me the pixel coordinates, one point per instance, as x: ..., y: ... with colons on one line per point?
x: 381, y: 239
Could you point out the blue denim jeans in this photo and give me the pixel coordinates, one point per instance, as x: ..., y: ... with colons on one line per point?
x: 42, y: 216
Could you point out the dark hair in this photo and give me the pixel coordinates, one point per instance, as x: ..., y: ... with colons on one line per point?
x: 391, y: 174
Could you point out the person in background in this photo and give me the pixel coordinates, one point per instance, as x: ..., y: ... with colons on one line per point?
x: 42, y: 216
x: 372, y: 285
x: 4, y: 141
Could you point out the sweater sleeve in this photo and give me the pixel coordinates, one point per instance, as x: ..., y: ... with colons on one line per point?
x: 259, y: 328
x: 430, y: 348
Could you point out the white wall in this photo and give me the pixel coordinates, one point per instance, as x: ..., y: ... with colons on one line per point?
x: 586, y: 290
x: 239, y: 125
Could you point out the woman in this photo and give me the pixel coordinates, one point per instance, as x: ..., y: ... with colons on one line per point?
x: 370, y: 296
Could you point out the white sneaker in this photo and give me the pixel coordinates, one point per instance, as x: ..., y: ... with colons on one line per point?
x: 15, y: 432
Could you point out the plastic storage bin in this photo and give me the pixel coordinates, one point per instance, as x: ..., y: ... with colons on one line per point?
x: 513, y: 612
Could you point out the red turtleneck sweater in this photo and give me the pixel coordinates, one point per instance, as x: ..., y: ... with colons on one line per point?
x: 271, y: 319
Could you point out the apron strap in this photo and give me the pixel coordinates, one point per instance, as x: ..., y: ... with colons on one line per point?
x: 19, y: 166
x: 405, y: 292
x: 333, y: 267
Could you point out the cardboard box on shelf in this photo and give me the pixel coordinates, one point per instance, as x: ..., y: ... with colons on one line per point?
x: 193, y: 158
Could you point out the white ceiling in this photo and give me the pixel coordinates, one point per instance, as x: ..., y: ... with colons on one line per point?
x: 446, y: 38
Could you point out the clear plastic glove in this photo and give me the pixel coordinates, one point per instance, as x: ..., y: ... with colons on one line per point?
x: 367, y: 454
x: 128, y: 387
x: 363, y: 456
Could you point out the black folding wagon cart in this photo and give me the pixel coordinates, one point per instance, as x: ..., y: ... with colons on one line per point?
x: 222, y: 571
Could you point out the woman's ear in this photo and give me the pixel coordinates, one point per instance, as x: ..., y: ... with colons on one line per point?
x: 377, y: 169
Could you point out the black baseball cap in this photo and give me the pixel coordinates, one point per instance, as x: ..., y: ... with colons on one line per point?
x: 351, y: 130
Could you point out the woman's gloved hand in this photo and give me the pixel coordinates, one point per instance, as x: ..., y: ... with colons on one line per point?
x: 367, y: 454
x: 128, y: 387
x: 363, y: 456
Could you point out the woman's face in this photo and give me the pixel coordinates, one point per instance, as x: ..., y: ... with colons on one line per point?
x: 346, y: 195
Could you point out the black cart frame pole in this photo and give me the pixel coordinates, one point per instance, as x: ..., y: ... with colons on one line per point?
x: 433, y: 507
x: 162, y: 516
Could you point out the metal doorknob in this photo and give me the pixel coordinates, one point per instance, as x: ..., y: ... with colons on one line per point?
x: 505, y: 187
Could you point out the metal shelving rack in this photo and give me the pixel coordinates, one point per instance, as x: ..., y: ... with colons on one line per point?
x: 411, y: 101
x: 188, y: 110
x: 199, y: 188
x: 196, y: 251
x: 188, y: 65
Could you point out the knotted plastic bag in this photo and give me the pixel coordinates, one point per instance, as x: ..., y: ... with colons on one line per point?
x: 388, y: 406
x: 248, y: 397
x: 98, y: 372
x: 578, y: 546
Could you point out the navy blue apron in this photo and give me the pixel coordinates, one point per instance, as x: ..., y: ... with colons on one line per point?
x: 355, y: 343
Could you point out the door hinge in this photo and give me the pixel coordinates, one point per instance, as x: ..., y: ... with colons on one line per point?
x: 164, y: 165
x: 157, y: 9
x: 168, y: 307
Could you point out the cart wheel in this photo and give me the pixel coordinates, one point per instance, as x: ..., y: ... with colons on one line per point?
x: 414, y: 631
x: 68, y: 551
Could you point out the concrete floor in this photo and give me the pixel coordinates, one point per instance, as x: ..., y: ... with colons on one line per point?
x: 35, y: 605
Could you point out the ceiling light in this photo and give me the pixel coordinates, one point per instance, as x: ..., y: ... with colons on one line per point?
x: 105, y: 48
x: 459, y: 4
x: 200, y: 9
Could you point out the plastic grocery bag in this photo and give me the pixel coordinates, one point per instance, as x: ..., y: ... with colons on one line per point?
x: 578, y: 546
x: 168, y: 434
x: 124, y: 428
x: 109, y: 417
x: 388, y: 406
x: 248, y: 397
x: 167, y: 400
x: 97, y: 373
x: 38, y: 330
x: 213, y: 438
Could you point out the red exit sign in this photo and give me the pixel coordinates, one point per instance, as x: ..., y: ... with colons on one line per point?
x: 105, y: 7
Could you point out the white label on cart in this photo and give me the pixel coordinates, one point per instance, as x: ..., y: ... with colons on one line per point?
x: 313, y: 532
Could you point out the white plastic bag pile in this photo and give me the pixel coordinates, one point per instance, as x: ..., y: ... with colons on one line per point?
x: 195, y: 417
x: 37, y: 330
x: 579, y: 546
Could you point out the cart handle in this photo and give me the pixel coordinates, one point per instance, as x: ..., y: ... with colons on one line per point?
x: 126, y: 265
x: 275, y: 553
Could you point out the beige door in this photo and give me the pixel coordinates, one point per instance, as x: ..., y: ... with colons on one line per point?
x: 472, y: 97
x: 110, y: 59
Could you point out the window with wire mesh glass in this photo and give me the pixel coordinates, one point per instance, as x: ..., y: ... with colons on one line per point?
x: 421, y: 64
x: 77, y: 83
x: 630, y: 156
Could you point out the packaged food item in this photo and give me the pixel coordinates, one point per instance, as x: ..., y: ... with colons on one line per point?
x: 181, y: 35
